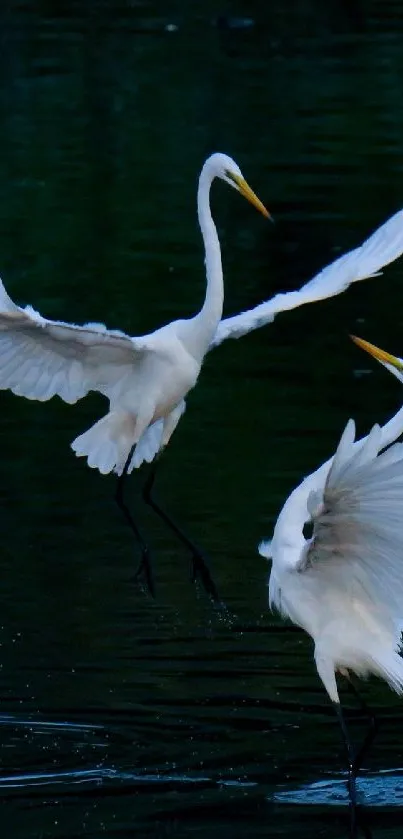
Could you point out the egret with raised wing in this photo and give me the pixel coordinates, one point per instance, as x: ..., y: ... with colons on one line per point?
x: 344, y: 584
x: 147, y: 378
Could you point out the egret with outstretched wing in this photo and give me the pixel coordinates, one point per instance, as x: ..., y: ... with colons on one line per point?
x: 344, y: 585
x: 145, y: 378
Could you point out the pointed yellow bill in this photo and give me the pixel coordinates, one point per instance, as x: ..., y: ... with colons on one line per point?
x: 248, y: 193
x: 380, y: 355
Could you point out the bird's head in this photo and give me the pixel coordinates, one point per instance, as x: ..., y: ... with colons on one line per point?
x: 392, y: 362
x: 222, y: 166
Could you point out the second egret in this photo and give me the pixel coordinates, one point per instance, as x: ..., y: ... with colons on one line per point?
x: 344, y: 585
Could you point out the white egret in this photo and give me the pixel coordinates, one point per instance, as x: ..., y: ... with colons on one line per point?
x: 344, y: 585
x: 147, y: 378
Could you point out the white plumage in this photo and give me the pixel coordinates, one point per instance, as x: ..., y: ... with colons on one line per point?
x: 384, y: 246
x: 344, y: 586
x: 147, y: 378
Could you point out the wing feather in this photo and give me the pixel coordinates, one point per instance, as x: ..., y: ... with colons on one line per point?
x: 41, y: 358
x: 357, y: 542
x: 383, y: 247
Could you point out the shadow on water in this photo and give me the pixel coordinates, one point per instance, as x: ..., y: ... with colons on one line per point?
x: 121, y: 716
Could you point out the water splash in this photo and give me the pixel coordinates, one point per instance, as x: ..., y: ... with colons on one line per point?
x: 383, y: 789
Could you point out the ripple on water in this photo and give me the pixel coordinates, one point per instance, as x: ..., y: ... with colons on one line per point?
x: 385, y: 788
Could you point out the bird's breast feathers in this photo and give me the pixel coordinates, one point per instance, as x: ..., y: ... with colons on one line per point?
x: 176, y: 375
x: 161, y: 380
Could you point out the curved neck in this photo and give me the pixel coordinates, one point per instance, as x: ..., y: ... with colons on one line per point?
x: 211, y: 312
x: 203, y: 326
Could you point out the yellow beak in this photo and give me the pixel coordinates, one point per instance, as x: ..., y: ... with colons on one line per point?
x: 250, y: 196
x: 380, y: 355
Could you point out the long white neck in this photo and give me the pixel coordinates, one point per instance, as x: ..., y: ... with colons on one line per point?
x: 200, y: 329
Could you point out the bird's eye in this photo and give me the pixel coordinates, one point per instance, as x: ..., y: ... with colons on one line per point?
x: 307, y: 529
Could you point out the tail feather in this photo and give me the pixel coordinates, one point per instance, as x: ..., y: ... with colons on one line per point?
x: 107, y: 444
x: 148, y: 446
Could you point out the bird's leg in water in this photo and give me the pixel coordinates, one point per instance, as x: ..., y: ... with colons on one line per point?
x: 355, y: 759
x: 352, y: 771
x: 200, y: 568
x: 145, y: 562
x: 373, y: 724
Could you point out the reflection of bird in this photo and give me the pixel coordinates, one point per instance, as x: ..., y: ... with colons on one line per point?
x: 146, y: 378
x: 344, y: 584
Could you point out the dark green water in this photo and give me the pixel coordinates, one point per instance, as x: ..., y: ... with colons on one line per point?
x: 121, y: 716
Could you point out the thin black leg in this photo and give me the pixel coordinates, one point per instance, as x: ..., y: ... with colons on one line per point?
x: 351, y: 769
x: 372, y: 720
x: 355, y: 758
x: 144, y: 567
x: 200, y: 567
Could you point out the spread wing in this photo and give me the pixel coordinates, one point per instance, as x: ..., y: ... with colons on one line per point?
x: 41, y: 358
x: 357, y: 542
x: 383, y: 247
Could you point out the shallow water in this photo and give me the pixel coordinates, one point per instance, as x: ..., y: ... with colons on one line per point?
x: 123, y: 716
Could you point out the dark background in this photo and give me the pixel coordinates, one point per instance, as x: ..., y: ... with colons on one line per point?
x: 121, y: 716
